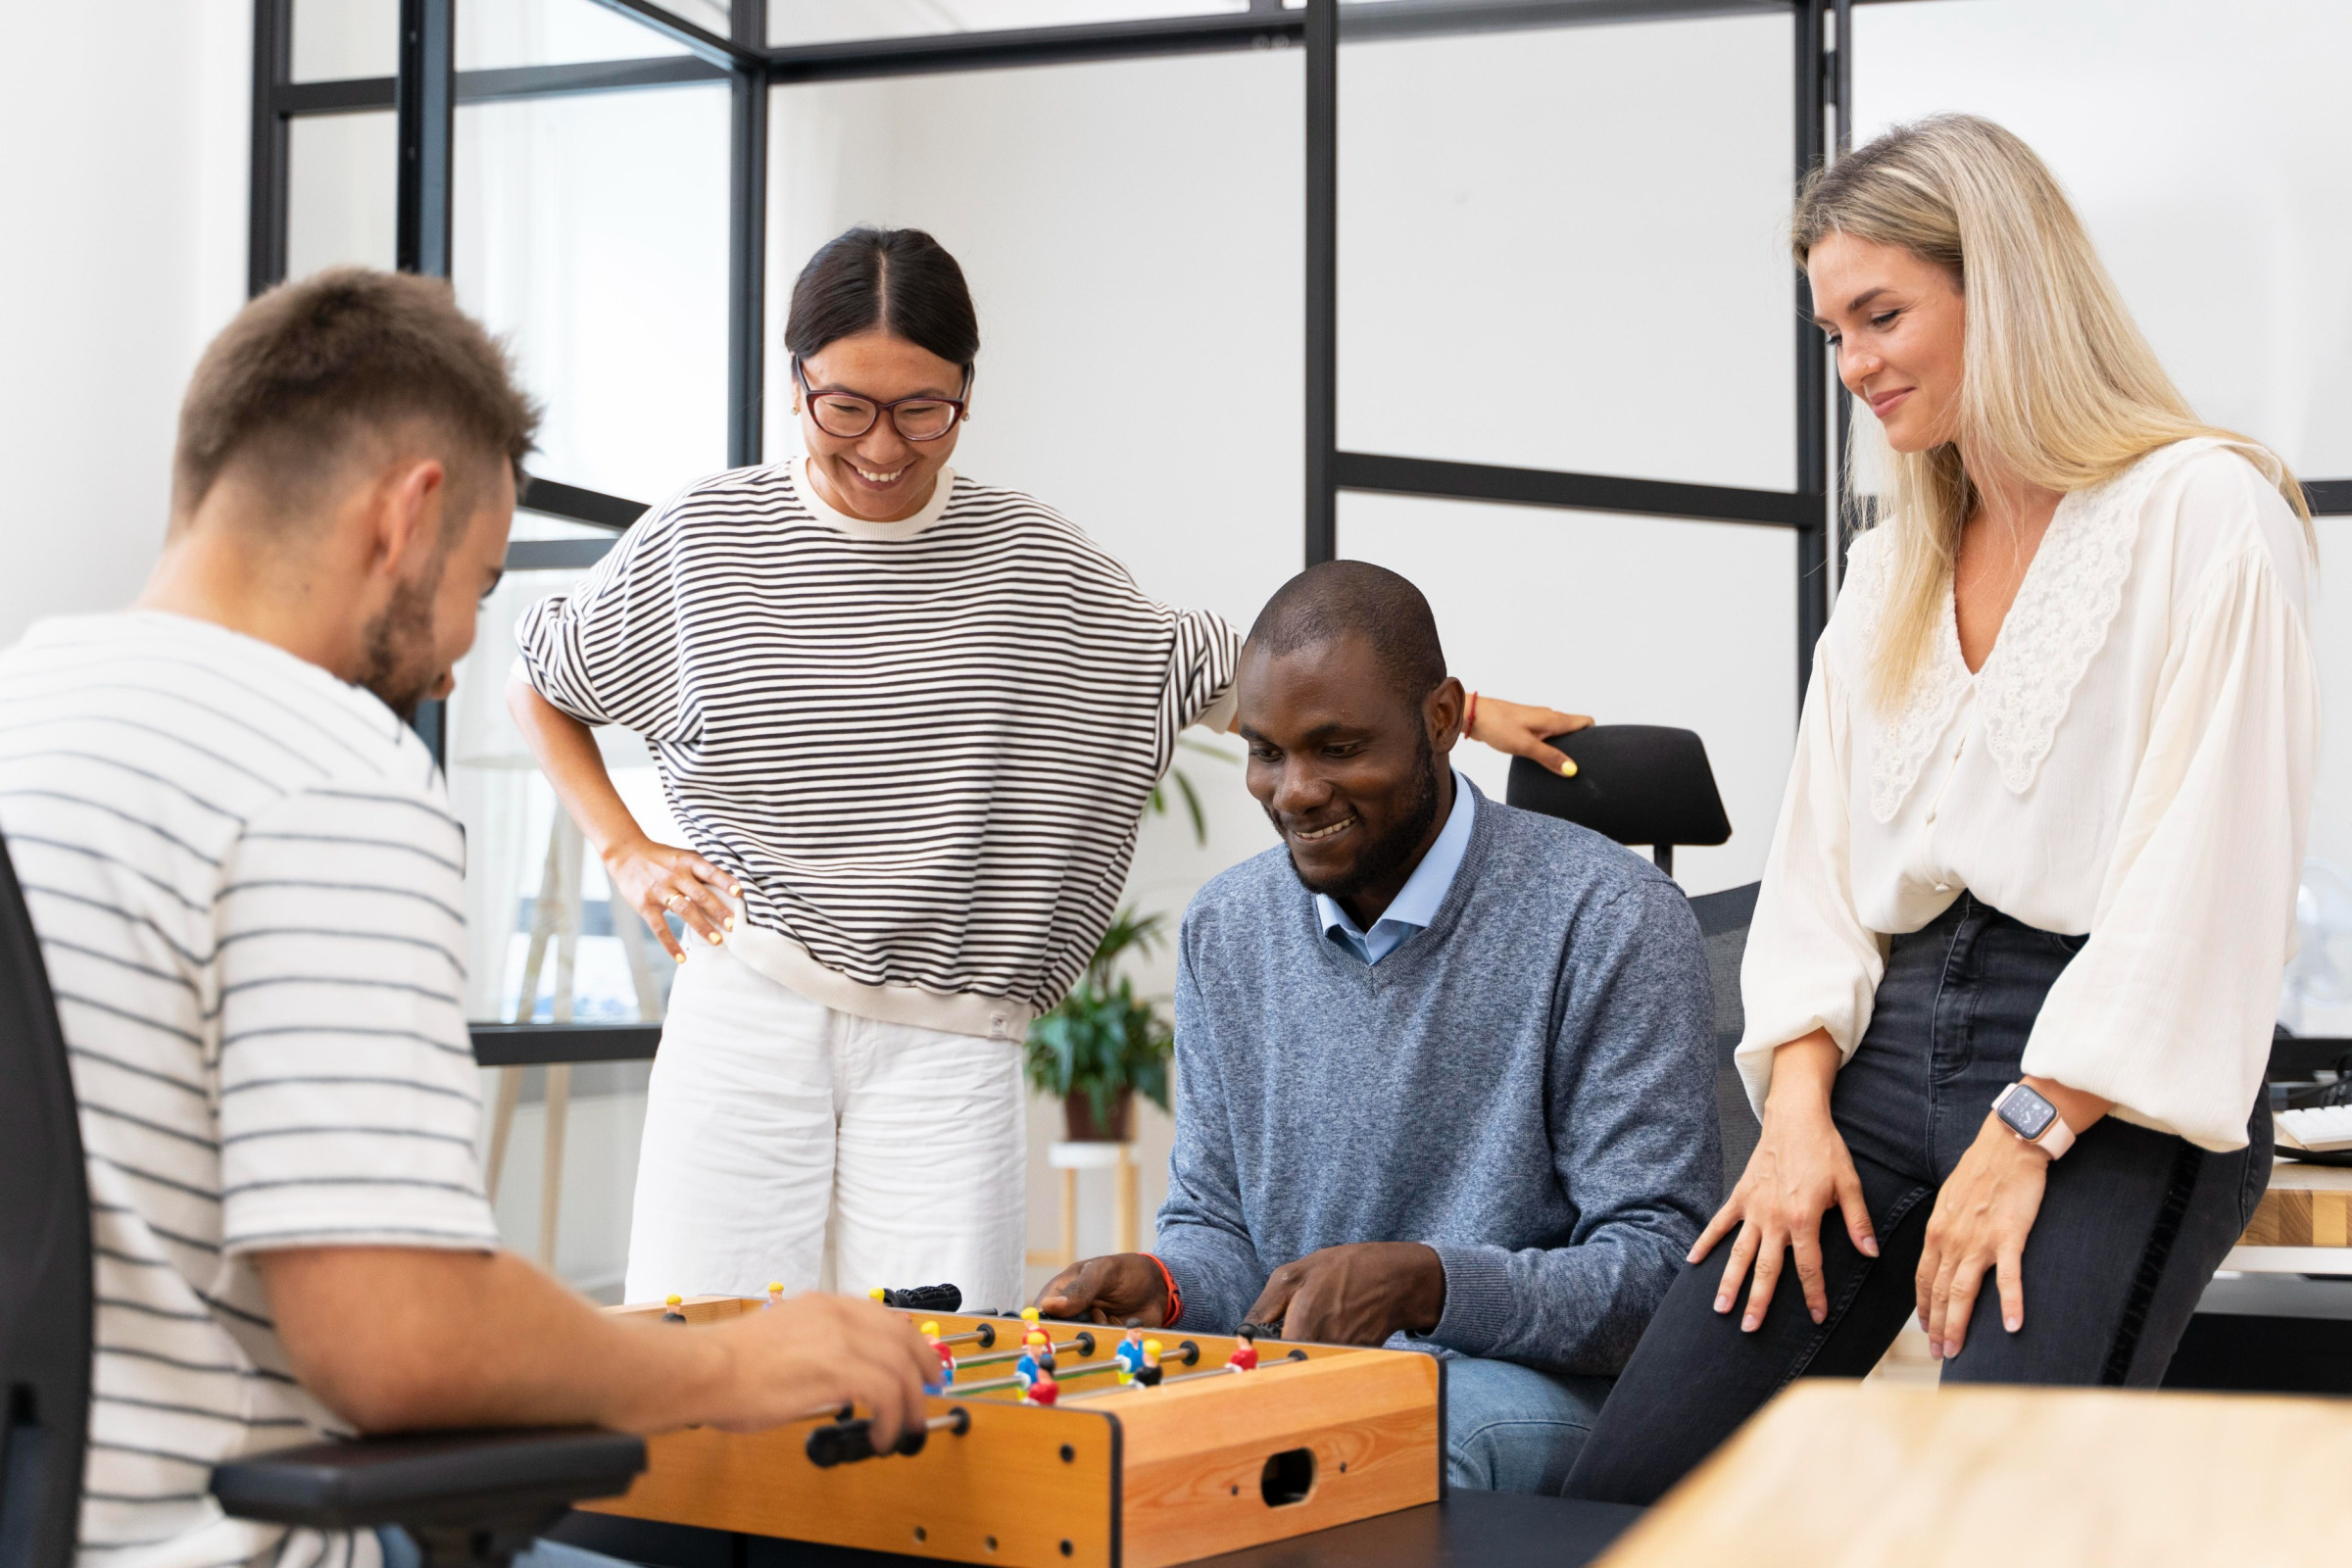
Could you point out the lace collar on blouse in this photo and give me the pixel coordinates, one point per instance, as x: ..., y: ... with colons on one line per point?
x: 2059, y: 620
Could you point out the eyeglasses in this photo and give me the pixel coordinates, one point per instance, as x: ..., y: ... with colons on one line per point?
x: 846, y: 417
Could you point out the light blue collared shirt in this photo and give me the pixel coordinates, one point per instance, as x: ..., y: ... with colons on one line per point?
x: 1416, y: 903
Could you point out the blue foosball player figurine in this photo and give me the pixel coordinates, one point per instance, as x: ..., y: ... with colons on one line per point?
x: 1130, y: 1352
x: 1025, y: 1368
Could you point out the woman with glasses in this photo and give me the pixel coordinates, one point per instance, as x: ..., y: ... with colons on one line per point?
x: 2014, y: 967
x: 910, y: 723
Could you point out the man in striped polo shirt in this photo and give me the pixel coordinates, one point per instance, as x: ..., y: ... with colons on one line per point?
x: 246, y: 881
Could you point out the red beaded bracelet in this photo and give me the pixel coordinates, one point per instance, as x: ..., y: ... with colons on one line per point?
x: 1175, y: 1297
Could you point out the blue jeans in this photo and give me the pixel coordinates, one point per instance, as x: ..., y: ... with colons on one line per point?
x: 400, y: 1551
x: 2131, y: 1226
x: 1510, y: 1427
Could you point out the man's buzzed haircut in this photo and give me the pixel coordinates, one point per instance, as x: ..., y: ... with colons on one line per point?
x: 309, y: 369
x: 1336, y: 597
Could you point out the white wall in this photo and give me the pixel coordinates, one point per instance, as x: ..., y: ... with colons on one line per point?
x: 123, y: 190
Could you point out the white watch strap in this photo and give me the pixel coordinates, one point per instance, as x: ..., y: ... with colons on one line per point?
x: 2055, y: 1140
x: 2058, y: 1138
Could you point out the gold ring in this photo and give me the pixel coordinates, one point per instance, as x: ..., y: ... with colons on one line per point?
x: 673, y: 900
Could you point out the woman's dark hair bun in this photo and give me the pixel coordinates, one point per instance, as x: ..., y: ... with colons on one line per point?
x: 900, y: 280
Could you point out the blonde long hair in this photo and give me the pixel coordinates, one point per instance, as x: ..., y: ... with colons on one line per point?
x: 2057, y: 384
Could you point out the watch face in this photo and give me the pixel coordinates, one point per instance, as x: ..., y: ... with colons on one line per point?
x: 2028, y: 1115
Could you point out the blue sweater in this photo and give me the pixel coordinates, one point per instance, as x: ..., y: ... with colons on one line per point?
x: 1527, y: 1086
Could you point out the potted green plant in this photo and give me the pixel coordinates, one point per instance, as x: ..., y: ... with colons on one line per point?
x: 1102, y: 1044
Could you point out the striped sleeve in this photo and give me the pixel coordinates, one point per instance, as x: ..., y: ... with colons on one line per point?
x: 348, y: 1091
x: 609, y: 650
x: 1201, y: 679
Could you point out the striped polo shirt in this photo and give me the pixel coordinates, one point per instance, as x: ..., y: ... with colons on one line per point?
x: 246, y: 880
x: 924, y: 747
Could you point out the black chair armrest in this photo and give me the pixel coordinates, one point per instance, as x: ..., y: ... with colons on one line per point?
x: 485, y: 1494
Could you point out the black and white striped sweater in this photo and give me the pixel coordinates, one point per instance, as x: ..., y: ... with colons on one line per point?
x: 924, y: 747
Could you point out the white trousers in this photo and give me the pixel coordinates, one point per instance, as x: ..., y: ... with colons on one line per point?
x: 792, y: 1142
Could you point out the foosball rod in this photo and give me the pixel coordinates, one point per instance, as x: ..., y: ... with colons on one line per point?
x: 1083, y: 1343
x: 1189, y: 1377
x: 984, y: 1335
x: 956, y: 1390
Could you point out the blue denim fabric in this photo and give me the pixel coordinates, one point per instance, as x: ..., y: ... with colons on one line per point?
x: 1510, y: 1427
x: 2132, y: 1225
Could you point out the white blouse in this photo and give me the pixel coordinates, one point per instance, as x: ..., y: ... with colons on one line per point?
x: 2133, y: 761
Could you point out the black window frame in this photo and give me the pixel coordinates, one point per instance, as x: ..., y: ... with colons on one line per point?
x: 425, y: 91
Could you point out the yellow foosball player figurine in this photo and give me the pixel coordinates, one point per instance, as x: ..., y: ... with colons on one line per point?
x: 947, y: 1356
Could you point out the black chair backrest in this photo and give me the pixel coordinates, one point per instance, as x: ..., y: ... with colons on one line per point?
x: 1723, y: 920
x: 1634, y: 783
x: 44, y: 1258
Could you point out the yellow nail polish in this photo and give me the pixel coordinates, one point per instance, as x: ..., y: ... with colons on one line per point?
x: 715, y: 939
x: 730, y: 923
x: 680, y: 956
x: 1568, y: 767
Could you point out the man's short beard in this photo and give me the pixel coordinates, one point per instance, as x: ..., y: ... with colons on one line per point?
x: 1384, y: 854
x: 399, y: 643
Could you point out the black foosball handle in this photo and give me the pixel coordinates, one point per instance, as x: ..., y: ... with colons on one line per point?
x: 849, y: 1439
x: 925, y: 1298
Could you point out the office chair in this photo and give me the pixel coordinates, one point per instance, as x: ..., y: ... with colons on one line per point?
x: 472, y: 1499
x: 1722, y: 921
x: 1634, y: 783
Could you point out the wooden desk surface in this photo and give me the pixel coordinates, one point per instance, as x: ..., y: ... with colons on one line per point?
x: 2305, y: 1206
x: 1834, y: 1474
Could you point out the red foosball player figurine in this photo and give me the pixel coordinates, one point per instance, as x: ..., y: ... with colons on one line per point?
x: 1244, y: 1354
x: 1044, y: 1390
x: 947, y: 1356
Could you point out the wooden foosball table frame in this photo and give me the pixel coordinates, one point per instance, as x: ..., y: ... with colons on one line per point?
x: 1129, y: 1477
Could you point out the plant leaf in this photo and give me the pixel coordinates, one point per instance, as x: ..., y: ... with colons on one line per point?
x: 1192, y: 806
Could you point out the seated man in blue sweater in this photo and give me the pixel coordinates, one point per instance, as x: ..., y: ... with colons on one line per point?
x: 1443, y: 1069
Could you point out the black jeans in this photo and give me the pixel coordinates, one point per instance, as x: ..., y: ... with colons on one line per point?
x: 2131, y: 1227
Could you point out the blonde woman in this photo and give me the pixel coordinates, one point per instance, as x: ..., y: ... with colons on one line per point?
x: 2012, y: 978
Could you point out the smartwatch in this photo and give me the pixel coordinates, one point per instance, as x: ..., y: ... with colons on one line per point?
x: 2028, y: 1115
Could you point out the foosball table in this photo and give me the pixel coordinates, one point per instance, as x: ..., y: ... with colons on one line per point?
x: 1116, y: 1472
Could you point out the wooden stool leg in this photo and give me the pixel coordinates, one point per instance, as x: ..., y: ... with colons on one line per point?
x: 501, y: 1123
x: 1069, y: 1217
x: 1125, y: 1220
x: 546, y: 916
x: 634, y: 938
x: 564, y: 851
x: 551, y: 1170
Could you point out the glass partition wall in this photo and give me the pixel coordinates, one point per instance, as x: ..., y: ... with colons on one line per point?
x: 1555, y: 366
